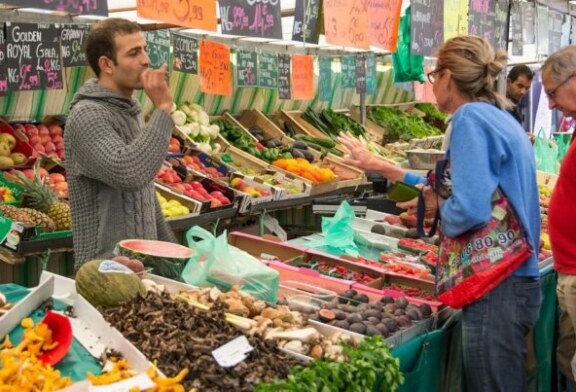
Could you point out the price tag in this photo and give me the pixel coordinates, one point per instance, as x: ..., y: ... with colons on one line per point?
x: 200, y: 14
x: 215, y: 68
x: 233, y: 352
x: 346, y: 23
x: 384, y: 16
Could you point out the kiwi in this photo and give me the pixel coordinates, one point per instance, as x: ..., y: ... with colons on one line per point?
x: 358, y: 328
x: 354, y: 318
x: 371, y: 330
x: 326, y: 315
x: 401, y: 302
x: 378, y: 229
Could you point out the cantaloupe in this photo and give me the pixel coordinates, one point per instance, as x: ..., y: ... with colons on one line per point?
x: 165, y: 258
x: 107, y: 289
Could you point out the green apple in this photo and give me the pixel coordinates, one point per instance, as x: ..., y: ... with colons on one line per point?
x: 9, y: 139
x: 4, y: 150
x: 18, y: 158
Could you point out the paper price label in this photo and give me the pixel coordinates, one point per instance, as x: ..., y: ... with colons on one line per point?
x: 233, y: 352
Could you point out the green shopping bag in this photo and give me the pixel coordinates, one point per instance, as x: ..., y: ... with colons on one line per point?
x: 407, y: 67
x: 338, y: 232
x: 546, y: 151
x: 216, y: 263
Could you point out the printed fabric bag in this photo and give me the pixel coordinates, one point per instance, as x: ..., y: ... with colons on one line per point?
x: 472, y: 264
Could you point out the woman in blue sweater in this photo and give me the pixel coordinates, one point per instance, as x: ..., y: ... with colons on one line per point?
x: 487, y: 149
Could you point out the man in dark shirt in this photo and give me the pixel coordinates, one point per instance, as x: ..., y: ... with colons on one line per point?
x: 517, y: 85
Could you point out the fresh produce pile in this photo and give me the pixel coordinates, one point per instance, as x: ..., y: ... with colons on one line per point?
x: 43, y: 139
x: 332, y: 123
x: 303, y: 168
x: 432, y: 115
x: 336, y: 271
x: 177, y: 335
x: 413, y: 292
x: 253, y: 190
x: 401, y: 125
x: 193, y: 162
x: 297, y: 149
x: 290, y: 187
x: 8, y: 155
x: 194, y: 124
x: 354, y: 312
x: 171, y: 208
x: 367, y: 362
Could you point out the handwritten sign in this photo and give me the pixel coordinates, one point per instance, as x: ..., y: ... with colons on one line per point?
x: 200, y: 14
x: 268, y: 70
x: 529, y: 17
x: 33, y: 57
x: 91, y: 7
x: 215, y: 68
x: 383, y: 19
x: 252, y: 18
x: 516, y: 20
x: 246, y: 68
x: 426, y: 26
x: 455, y: 18
x: 348, y: 71
x: 185, y: 53
x: 72, y: 41
x: 284, y: 88
x: 542, y: 43
x: 481, y: 14
x: 371, y: 73
x: 303, y: 76
x: 500, y: 36
x: 3, y: 75
x: 555, y: 21
x: 360, y: 74
x: 346, y: 23
x: 306, y: 26
x: 325, y: 78
x: 158, y: 42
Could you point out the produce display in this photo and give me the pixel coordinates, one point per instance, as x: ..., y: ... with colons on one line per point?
x: 296, y: 149
x: 171, y: 208
x: 177, y: 335
x: 193, y: 123
x: 401, y: 125
x: 336, y: 271
x: 432, y: 115
x: 193, y: 162
x: 303, y: 168
x: 332, y: 123
x: 253, y: 190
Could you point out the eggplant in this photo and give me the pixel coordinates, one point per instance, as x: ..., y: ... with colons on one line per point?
x: 299, y: 144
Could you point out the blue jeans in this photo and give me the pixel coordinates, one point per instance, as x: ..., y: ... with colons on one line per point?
x: 494, y: 331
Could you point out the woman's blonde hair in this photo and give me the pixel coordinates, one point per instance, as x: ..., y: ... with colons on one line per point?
x: 474, y: 68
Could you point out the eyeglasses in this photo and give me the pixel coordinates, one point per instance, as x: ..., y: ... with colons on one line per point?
x: 552, y: 94
x: 430, y: 75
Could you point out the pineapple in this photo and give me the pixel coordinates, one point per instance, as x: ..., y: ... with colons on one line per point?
x: 39, y: 196
x: 40, y: 219
x: 16, y: 214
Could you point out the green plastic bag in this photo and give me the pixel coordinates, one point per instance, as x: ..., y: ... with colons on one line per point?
x: 407, y: 67
x: 338, y: 232
x: 563, y: 142
x: 546, y: 151
x: 215, y: 263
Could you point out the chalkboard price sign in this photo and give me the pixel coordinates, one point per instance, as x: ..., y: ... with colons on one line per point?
x: 360, y: 74
x: 185, y: 52
x: 3, y: 75
x: 246, y: 68
x: 251, y: 18
x: 284, y: 90
x: 72, y: 41
x: 516, y: 18
x: 348, y: 63
x: 268, y: 70
x: 481, y: 15
x: 325, y: 78
x: 370, y: 73
x: 426, y: 26
x: 500, y: 38
x: 306, y: 21
x: 85, y: 7
x: 158, y: 42
x: 33, y: 57
x: 555, y: 21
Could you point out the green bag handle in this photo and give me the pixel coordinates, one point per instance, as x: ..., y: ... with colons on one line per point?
x: 205, y: 236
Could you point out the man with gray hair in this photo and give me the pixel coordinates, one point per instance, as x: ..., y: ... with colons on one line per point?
x: 559, y: 85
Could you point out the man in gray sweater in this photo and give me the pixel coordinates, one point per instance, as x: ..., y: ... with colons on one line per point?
x: 111, y: 155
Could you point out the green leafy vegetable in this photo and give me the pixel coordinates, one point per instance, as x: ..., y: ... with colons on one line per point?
x: 370, y: 367
x: 401, y: 125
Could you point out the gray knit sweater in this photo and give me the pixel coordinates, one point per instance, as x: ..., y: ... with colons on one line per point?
x: 111, y: 161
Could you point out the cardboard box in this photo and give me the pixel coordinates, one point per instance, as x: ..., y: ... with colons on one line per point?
x: 264, y: 248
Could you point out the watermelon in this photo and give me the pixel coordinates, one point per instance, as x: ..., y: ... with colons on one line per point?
x: 165, y: 258
x: 106, y: 283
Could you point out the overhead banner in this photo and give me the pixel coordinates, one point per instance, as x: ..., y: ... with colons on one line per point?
x: 198, y: 14
x: 455, y: 18
x: 426, y: 26
x: 306, y: 26
x: 346, y: 23
x: 215, y: 68
x: 383, y: 19
x: 91, y: 7
x: 251, y: 18
x: 302, y: 77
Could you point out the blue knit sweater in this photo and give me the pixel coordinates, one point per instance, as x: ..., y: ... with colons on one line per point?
x: 488, y: 148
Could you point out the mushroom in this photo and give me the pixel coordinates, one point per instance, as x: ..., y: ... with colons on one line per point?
x: 296, y: 346
x: 316, y: 352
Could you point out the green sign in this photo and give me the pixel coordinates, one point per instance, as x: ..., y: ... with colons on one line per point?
x: 370, y: 73
x: 325, y: 78
x: 348, y: 71
x: 268, y: 70
x: 246, y: 68
x: 158, y: 42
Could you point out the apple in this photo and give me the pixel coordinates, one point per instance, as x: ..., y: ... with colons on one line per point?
x: 34, y: 139
x: 18, y: 158
x: 29, y: 173
x: 57, y: 139
x: 4, y: 150
x: 57, y: 177
x: 59, y: 146
x: 45, y: 139
x: 9, y: 139
x: 39, y: 147
x: 49, y: 147
x: 173, y: 148
x: 55, y: 130
x: 43, y: 130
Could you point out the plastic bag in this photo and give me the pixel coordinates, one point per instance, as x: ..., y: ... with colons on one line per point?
x: 338, y: 232
x: 407, y: 67
x: 563, y: 145
x: 546, y: 151
x: 215, y: 263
